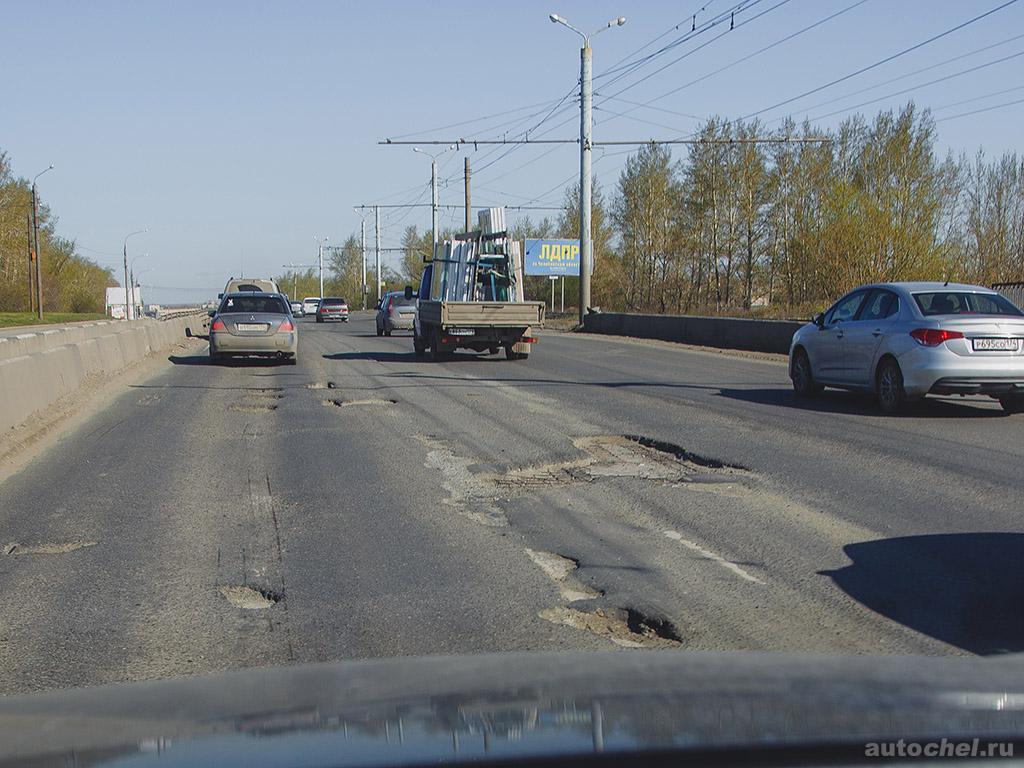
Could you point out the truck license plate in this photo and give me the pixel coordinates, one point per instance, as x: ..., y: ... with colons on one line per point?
x: 994, y: 345
x: 461, y: 331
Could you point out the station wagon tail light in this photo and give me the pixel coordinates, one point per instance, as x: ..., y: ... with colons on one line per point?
x: 286, y: 326
x: 932, y: 337
x: 218, y: 325
x: 391, y: 303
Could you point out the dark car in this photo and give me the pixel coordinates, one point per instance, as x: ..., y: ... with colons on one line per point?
x: 332, y: 308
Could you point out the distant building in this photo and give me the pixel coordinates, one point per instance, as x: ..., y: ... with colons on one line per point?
x: 117, y: 304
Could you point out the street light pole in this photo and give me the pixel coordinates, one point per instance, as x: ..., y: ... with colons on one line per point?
x: 376, y: 229
x: 586, y: 145
x: 131, y: 279
x: 362, y: 251
x: 434, y: 198
x: 35, y: 243
x: 127, y: 283
x: 320, y: 260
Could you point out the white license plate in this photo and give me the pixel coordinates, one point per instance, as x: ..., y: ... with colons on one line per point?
x: 995, y: 345
x: 252, y: 326
x: 461, y: 331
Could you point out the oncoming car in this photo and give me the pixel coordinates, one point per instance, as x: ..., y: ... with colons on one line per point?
x: 903, y: 341
x: 253, y: 324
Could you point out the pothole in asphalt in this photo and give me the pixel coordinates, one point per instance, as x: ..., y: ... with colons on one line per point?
x: 559, y: 569
x: 623, y: 456
x: 604, y: 456
x: 337, y: 403
x: 46, y: 548
x: 322, y: 385
x: 626, y: 627
x: 253, y: 407
x: 249, y: 598
x: 472, y: 495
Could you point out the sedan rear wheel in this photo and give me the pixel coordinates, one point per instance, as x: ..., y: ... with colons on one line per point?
x: 1012, y: 403
x: 891, y: 395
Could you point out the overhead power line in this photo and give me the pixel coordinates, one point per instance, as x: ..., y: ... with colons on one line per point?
x: 922, y: 85
x: 880, y: 62
x: 979, y: 111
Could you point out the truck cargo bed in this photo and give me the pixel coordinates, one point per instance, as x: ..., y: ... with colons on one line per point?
x: 495, y: 314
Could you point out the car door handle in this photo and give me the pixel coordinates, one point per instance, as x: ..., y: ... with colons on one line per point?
x: 839, y: 334
x: 877, y: 332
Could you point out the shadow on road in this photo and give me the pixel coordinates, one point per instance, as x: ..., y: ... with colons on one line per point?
x: 234, y: 362
x: 966, y: 589
x: 860, y: 403
x: 410, y: 357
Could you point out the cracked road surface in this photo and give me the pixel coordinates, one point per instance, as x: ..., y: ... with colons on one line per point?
x: 604, y: 493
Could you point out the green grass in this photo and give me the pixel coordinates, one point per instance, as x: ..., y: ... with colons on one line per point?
x: 11, y: 319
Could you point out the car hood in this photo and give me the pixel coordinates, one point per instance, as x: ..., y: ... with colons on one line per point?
x: 413, y: 711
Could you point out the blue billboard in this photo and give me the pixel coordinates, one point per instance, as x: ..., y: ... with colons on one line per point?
x: 552, y: 257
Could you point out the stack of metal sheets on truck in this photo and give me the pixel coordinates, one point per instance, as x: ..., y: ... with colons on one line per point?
x: 479, y: 266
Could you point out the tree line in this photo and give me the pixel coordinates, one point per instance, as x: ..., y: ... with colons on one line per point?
x: 71, y: 282
x: 782, y: 228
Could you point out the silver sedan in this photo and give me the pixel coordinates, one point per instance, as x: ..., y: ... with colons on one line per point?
x: 903, y: 341
x: 254, y: 324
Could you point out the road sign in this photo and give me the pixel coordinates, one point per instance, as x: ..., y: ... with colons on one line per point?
x: 552, y: 257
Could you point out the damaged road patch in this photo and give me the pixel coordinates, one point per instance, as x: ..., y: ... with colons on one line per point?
x: 249, y: 598
x: 48, y: 548
x: 472, y: 495
x: 625, y: 627
x: 559, y: 569
x: 338, y: 403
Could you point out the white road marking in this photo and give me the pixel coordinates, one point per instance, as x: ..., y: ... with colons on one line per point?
x: 676, y: 536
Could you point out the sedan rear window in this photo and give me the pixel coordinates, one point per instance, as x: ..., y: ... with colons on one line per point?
x: 253, y: 304
x: 963, y: 303
x: 333, y: 302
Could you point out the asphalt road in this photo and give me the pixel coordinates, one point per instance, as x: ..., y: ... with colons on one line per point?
x: 605, y: 492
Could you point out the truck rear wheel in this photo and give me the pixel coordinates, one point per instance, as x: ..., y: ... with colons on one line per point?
x: 511, y: 354
x: 418, y: 346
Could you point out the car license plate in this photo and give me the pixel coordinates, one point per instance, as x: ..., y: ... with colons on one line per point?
x: 252, y: 326
x: 995, y: 345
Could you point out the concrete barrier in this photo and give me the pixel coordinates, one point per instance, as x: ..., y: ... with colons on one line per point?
x: 39, y: 368
x: 721, y: 332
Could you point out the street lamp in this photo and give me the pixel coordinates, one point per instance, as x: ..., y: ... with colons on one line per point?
x: 131, y: 276
x: 362, y: 250
x: 320, y: 255
x: 433, y: 190
x: 586, y: 145
x: 127, y: 283
x: 35, y: 244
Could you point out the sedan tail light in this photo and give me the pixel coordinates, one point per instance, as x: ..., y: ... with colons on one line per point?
x: 932, y: 337
x: 218, y: 325
x: 286, y: 326
x: 391, y: 303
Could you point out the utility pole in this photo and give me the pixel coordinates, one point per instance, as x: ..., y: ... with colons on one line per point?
x: 31, y: 265
x: 434, y: 202
x: 35, y: 244
x: 129, y: 310
x: 586, y: 124
x: 469, y: 210
x: 376, y: 227
x: 362, y: 250
x: 320, y: 257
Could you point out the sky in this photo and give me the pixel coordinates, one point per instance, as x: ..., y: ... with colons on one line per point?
x: 239, y: 132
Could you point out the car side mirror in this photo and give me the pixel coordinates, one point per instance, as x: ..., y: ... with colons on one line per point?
x: 408, y: 292
x: 220, y: 295
x: 819, y: 320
